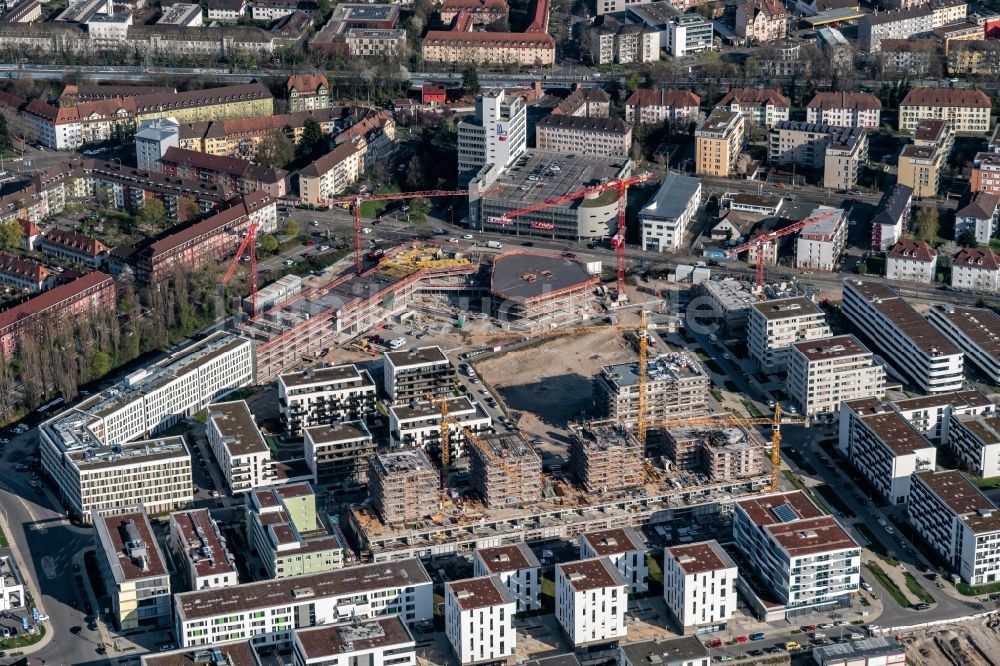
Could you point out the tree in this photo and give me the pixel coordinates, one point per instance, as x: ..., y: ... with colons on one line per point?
x: 967, y: 238
x: 927, y: 223
x: 6, y: 145
x: 152, y: 214
x: 189, y: 209
x: 470, y: 82
x: 10, y: 234
x: 275, y: 150
x: 631, y: 83
x: 291, y: 227
x: 100, y: 365
x: 313, y: 142
x: 268, y: 244
x: 711, y: 63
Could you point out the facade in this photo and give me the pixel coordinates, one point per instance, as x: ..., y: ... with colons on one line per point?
x: 308, y: 92
x: 591, y: 600
x: 911, y: 261
x: 979, y: 57
x: 133, y: 568
x: 464, y: 44
x: 482, y: 12
x: 614, y: 42
x: 479, y: 620
x: 975, y: 441
x: 412, y: 374
x: 418, y: 424
x: 517, y: 568
x: 232, y: 175
x: 824, y: 373
x: 496, y: 135
x: 920, y: 164
x: 666, y: 217
x: 585, y: 102
x: 902, y: 337
x: 623, y: 547
x: 763, y: 107
x: 337, y: 454
x: 269, y: 611
x: 985, y: 175
x: 976, y: 269
x: 930, y: 415
x: 676, y: 388
x: 759, y: 21
x: 152, y: 139
x: 505, y: 470
x: 966, y: 110
x: 688, y: 34
x: 194, y: 539
x: 804, y: 556
x: 774, y: 325
x: 699, y: 586
x: 912, y: 55
x: 819, y: 245
x: 243, y: 456
x: 974, y: 331
x: 320, y: 396
x: 378, y: 642
x: 23, y: 273
x: 654, y: 106
x: 873, y: 29
x: 718, y: 143
x: 331, y: 174
x: 74, y: 247
x: 979, y: 216
x: 578, y: 135
x: 892, y: 217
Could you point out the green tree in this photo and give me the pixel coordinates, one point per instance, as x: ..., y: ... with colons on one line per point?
x: 313, y: 142
x: 291, y: 227
x: 190, y: 210
x: 100, y: 365
x: 928, y: 223
x: 470, y: 82
x: 631, y: 83
x: 967, y: 238
x: 152, y: 214
x: 275, y: 150
x: 268, y: 244
x: 6, y: 145
x: 10, y: 234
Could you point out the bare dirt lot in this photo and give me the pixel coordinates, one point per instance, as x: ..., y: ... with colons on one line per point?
x: 972, y: 643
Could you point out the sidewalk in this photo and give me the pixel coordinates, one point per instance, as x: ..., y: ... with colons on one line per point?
x: 29, y: 583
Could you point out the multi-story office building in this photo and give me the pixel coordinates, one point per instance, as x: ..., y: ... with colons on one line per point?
x: 845, y: 109
x: 824, y: 373
x: 418, y: 424
x: 957, y: 521
x: 763, y: 107
x: 975, y: 332
x: 931, y: 414
x: 676, y: 388
x: 578, y: 135
x: 892, y: 217
x: 320, y: 396
x: 591, y: 600
x: 975, y: 441
x: 238, y: 446
x: 655, y: 106
x: 194, y: 539
x: 699, y: 586
x: 774, y: 325
x: 517, y: 568
x: 496, y: 134
x: 625, y: 549
x: 479, y: 620
x: 964, y: 109
x: 132, y: 567
x: 378, y: 642
x: 269, y: 611
x: 976, y: 269
x: 718, y: 143
x: 902, y: 337
x: 338, y: 453
x: 819, y: 245
x: 979, y: 216
x: 911, y: 260
x: 689, y: 33
x: 804, y: 556
x: 884, y: 447
x: 666, y: 217
x: 412, y: 374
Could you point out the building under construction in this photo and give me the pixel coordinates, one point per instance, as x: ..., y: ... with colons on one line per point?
x: 505, y: 470
x: 403, y: 486
x: 605, y: 457
x: 676, y: 388
x: 719, y: 453
x: 320, y: 316
x: 531, y: 287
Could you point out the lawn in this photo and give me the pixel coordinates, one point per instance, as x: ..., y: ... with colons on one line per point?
x: 917, y: 589
x: 3, y: 540
x: 887, y: 583
x: 990, y: 483
x: 752, y: 409
x: 876, y: 546
x: 22, y: 640
x: 976, y: 590
x: 605, y: 198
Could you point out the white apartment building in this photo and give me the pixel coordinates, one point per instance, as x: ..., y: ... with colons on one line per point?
x: 845, y: 109
x: 479, y: 620
x: 195, y: 541
x: 699, y: 586
x: 238, y: 446
x: 892, y: 217
x: 495, y: 134
x: 804, y: 556
x: 667, y: 216
x: 653, y: 106
x: 774, y: 325
x: 331, y: 174
x: 884, y: 447
x: 765, y: 107
x: 337, y: 454
x: 269, y: 611
x: 418, y: 424
x: 591, y: 600
x: 624, y: 547
x: 319, y: 396
x: 583, y: 135
x: 958, y: 522
x: 818, y: 246
x: 976, y: 331
x: 902, y: 337
x: 931, y: 414
x: 980, y: 216
x: 412, y: 374
x: 379, y: 642
x: 976, y: 269
x: 964, y: 109
x: 517, y: 568
x: 975, y: 441
x: 824, y: 373
x: 133, y: 568
x: 911, y: 260
x: 152, y: 139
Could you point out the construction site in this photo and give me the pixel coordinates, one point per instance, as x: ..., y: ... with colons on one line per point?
x: 505, y: 470
x: 605, y: 456
x: 403, y: 486
x: 718, y: 453
x: 533, y: 287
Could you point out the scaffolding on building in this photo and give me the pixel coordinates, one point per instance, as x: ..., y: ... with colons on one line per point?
x: 504, y: 469
x: 605, y: 456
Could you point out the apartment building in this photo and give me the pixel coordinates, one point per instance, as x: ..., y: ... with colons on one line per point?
x: 479, y: 620
x: 240, y: 137
x: 902, y: 337
x: 979, y: 216
x: 976, y: 331
x: 587, y: 102
x: 377, y: 642
x: 958, y: 522
x: 330, y: 175
x: 774, y: 325
x: 911, y: 261
x: 976, y: 269
x: 517, y: 568
x: 337, y: 454
x: 270, y: 611
x: 615, y: 42
x: 762, y: 107
x: 686, y: 651
x: 482, y: 12
x: 403, y: 486
x: 718, y: 144
x: 902, y: 24
x: 958, y: 33
x: 805, y: 557
x: 591, y: 600
x: 412, y: 374
x: 74, y: 247
x: 623, y: 547
x: 978, y: 57
x: 232, y: 175
x: 307, y: 92
x: 760, y: 21
x: 182, y: 14
x: 654, y: 106
x: 320, y: 396
x: 845, y: 109
x: 23, y: 273
x: 884, y: 447
x: 667, y: 215
x: 464, y: 44
x: 699, y: 586
x: 495, y: 134
x: 578, y: 135
x: 965, y: 110
x: 919, y: 168
x: 985, y: 175
x: 676, y: 388
x: 132, y: 568
x: 930, y: 415
x: 975, y: 441
x: 824, y: 373
x: 418, y: 424
x: 819, y: 245
x: 892, y: 217
x: 195, y: 541
x: 243, y: 456
x: 721, y: 454
x: 913, y: 55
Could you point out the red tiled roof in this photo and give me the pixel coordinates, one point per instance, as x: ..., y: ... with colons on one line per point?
x: 974, y: 257
x: 966, y: 97
x: 845, y: 100
x: 307, y: 83
x: 663, y: 97
x: 330, y: 160
x: 474, y: 6
x: 12, y: 264
x: 77, y: 242
x: 497, y: 39
x: 916, y: 250
x: 56, y: 296
x: 754, y: 96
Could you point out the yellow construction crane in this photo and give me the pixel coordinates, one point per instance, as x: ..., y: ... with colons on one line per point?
x: 729, y: 420
x: 445, y: 436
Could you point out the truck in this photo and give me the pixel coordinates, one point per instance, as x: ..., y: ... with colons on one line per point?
x: 494, y: 245
x: 375, y: 254
x: 396, y: 343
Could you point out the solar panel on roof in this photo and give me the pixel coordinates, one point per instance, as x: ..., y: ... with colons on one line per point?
x: 785, y: 513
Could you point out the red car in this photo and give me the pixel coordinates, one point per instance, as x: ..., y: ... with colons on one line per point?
x: 742, y: 639
x: 808, y: 628
x: 717, y: 643
x: 307, y: 255
x: 309, y: 243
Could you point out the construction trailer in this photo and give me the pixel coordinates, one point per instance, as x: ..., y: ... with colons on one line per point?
x: 403, y: 486
x: 605, y: 456
x: 505, y: 470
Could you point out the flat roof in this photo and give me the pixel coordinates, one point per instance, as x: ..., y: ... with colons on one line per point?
x: 523, y: 276
x: 665, y: 652
x: 786, y: 308
x: 695, y: 558
x: 614, y: 541
x: 672, y: 197
x: 238, y: 429
x: 671, y: 366
x: 812, y: 535
x: 288, y: 591
x: 461, y: 405
x: 591, y: 574
x: 237, y: 653
x: 718, y: 122
x: 957, y: 399
x: 416, y: 356
x: 985, y: 427
x: 338, y: 639
x: 339, y: 431
x: 329, y: 375
x: 858, y: 651
x: 202, y: 544
x: 129, y: 546
x: 405, y: 462
x: 895, y: 432
x: 908, y: 321
x: 963, y: 499
x: 981, y: 326
x: 761, y: 510
x: 483, y: 592
x: 838, y: 346
x: 511, y: 557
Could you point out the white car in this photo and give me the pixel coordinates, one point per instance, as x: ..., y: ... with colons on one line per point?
x: 467, y: 236
x: 324, y: 248
x: 452, y: 240
x: 315, y: 223
x: 366, y: 230
x: 289, y: 262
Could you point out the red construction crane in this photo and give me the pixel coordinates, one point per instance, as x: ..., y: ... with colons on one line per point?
x: 759, y: 242
x: 617, y: 241
x: 249, y: 241
x: 355, y: 201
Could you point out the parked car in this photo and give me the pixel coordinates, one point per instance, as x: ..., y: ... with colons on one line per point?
x: 759, y: 636
x: 792, y: 646
x: 742, y: 639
